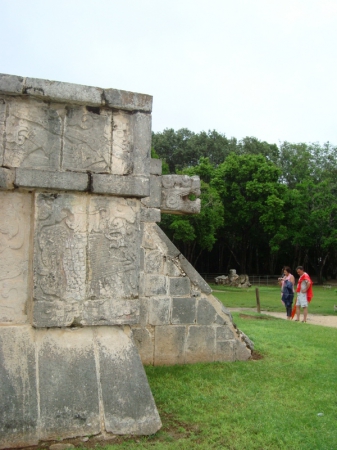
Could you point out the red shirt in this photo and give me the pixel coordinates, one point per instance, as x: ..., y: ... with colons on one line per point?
x: 309, y: 292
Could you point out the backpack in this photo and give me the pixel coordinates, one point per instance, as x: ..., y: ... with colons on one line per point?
x: 287, y: 292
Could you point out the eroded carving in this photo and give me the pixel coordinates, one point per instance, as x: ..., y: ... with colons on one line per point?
x: 87, y: 140
x: 14, y: 243
x: 179, y: 194
x: 153, y: 261
x: 33, y: 135
x: 60, y: 247
x: 113, y: 248
x: 122, y: 163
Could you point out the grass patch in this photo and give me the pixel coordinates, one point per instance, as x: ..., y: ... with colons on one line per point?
x: 270, y: 403
x: 270, y: 298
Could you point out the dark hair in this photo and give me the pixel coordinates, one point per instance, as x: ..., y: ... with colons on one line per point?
x: 300, y: 268
x: 287, y: 268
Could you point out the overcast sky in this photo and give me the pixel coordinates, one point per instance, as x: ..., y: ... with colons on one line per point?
x: 263, y: 68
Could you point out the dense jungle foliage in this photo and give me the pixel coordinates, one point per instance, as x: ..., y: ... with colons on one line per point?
x: 263, y: 205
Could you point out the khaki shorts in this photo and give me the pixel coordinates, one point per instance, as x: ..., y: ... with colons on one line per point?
x: 302, y: 300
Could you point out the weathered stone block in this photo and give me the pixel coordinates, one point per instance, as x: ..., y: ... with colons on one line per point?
x: 67, y: 359
x: 142, y: 144
x: 116, y: 98
x: 200, y: 344
x: 33, y: 135
x: 154, y: 262
x: 219, y: 320
x: 128, y: 403
x: 148, y: 237
x: 155, y: 285
x: 18, y: 389
x: 15, y: 225
x: 150, y: 215
x: 144, y: 341
x: 11, y: 84
x: 241, y: 351
x: 141, y: 284
x: 183, y: 310
x: 155, y: 193
x: 87, y: 140
x: 90, y: 312
x: 67, y: 181
x: 180, y: 286
x: 224, y: 351
x: 173, y: 267
x: 56, y: 313
x: 143, y: 311
x: 159, y: 310
x: 6, y: 178
x: 206, y: 314
x: 2, y: 128
x: 170, y: 345
x: 141, y: 259
x: 63, y: 92
x: 156, y: 166
x: 120, y: 185
x: 193, y: 275
x: 110, y: 311
x: 122, y: 144
x: 224, y: 333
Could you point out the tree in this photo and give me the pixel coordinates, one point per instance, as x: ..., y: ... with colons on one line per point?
x: 314, y: 227
x: 253, y: 205
x: 175, y: 148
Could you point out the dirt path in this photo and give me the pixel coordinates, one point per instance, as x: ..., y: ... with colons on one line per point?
x: 313, y: 319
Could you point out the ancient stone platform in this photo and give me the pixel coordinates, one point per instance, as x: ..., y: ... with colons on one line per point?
x: 90, y: 287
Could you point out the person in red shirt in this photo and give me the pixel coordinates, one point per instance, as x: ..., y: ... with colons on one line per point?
x: 304, y: 293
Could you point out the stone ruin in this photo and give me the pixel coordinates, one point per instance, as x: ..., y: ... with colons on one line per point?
x: 241, y: 281
x: 90, y: 287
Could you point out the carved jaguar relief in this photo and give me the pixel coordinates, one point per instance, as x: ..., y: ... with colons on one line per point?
x: 33, y: 135
x: 87, y: 140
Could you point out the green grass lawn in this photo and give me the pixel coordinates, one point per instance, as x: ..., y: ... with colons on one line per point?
x: 284, y: 400
x: 270, y: 298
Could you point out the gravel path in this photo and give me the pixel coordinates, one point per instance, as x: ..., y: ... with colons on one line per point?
x: 313, y: 319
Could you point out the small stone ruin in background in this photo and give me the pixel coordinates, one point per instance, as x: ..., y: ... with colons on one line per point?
x: 233, y: 279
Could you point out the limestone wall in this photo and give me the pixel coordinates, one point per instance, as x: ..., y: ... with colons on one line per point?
x: 90, y: 287
x: 180, y: 321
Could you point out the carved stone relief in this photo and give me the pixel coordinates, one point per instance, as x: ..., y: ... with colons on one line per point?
x: 87, y: 140
x: 114, y: 241
x: 153, y: 261
x: 60, y: 247
x: 33, y: 135
x: 122, y: 158
x: 179, y: 194
x: 14, y: 250
x: 86, y: 260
